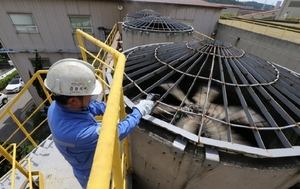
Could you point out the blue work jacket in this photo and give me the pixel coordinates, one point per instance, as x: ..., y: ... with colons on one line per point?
x: 75, y: 134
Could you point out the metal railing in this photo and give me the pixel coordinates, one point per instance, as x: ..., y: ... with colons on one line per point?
x: 18, y: 165
x: 102, y: 54
x: 270, y: 29
x: 112, y: 156
x: 200, y: 36
x: 22, y: 131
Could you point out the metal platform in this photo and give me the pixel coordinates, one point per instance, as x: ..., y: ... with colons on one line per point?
x: 281, y: 32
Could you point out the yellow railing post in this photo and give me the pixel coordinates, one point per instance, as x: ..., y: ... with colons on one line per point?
x: 108, y: 41
x: 116, y: 166
x: 28, y: 135
x: 12, y: 160
x: 283, y: 33
x: 252, y: 26
x: 266, y: 29
x: 107, y: 155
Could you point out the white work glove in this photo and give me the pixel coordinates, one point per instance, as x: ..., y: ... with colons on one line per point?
x: 145, y: 107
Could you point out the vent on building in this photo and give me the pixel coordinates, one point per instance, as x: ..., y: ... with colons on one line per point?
x: 220, y: 94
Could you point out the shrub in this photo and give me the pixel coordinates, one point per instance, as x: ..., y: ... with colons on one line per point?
x: 7, y: 79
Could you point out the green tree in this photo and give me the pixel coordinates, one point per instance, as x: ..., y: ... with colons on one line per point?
x: 37, y: 65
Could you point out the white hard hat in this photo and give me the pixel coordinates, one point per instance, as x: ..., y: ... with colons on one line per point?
x: 72, y: 77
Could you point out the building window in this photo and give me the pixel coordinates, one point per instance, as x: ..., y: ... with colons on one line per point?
x: 23, y: 23
x: 81, y: 22
x: 294, y: 4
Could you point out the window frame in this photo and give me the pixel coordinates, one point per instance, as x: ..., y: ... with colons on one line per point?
x: 294, y: 4
x: 83, y: 28
x: 26, y: 26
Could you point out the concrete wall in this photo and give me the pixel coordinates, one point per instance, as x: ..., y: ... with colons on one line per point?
x: 155, y: 166
x: 134, y: 38
x: 275, y: 50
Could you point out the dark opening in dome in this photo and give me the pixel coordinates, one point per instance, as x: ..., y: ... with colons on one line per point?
x: 217, y: 91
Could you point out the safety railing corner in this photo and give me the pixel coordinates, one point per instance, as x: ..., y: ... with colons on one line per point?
x: 29, y: 174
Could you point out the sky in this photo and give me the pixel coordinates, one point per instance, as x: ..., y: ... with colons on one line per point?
x: 269, y: 2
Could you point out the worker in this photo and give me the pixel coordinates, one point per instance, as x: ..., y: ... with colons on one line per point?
x: 71, y: 115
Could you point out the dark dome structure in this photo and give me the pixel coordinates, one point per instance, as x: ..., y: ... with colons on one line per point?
x: 157, y: 24
x: 141, y: 14
x: 148, y: 30
x: 216, y: 94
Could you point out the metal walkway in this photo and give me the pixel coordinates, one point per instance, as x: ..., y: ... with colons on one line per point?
x: 280, y: 32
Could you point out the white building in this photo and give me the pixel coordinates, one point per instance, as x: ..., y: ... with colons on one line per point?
x: 290, y: 10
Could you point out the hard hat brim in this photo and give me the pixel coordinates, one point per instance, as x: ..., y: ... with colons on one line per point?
x: 98, y: 88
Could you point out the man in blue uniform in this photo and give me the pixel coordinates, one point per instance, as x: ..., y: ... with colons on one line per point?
x: 71, y: 115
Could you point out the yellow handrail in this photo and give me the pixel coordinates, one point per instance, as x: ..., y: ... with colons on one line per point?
x: 12, y: 159
x: 8, y: 112
x: 108, y: 144
x: 112, y: 156
x: 109, y: 40
x: 107, y: 157
x: 202, y: 37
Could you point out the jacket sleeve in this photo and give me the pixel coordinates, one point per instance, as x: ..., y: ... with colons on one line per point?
x: 129, y: 123
x: 97, y: 108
